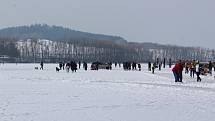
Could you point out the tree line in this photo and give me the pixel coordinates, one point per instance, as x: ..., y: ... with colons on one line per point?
x: 36, y: 50
x: 8, y: 47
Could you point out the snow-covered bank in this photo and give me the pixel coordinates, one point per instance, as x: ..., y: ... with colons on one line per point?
x: 33, y: 95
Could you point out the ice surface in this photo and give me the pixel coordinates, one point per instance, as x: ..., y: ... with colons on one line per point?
x: 27, y: 94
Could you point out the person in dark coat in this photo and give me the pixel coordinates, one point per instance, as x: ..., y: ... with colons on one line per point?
x: 129, y: 65
x: 210, y: 66
x: 79, y: 64
x: 110, y: 65
x: 73, y: 66
x: 139, y: 67
x: 60, y: 65
x: 85, y: 66
x: 154, y: 66
x: 157, y: 61
x: 198, y: 72
x: 164, y: 63
x: 134, y: 66
x: 187, y: 68
x: 170, y: 63
x: 67, y: 67
x: 214, y: 67
x: 159, y: 65
x: 149, y: 66
x: 63, y: 66
x: 41, y: 65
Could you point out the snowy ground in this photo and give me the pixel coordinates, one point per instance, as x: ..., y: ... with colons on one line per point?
x: 33, y: 95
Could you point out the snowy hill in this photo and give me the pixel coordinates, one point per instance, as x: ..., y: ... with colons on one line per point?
x: 54, y: 33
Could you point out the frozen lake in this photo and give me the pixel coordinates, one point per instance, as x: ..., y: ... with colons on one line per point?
x: 27, y: 94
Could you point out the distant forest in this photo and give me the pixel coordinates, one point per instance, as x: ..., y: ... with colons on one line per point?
x: 53, y: 44
x: 8, y: 47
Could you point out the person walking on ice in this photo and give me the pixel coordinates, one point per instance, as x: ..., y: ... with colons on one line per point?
x: 175, y: 73
x: 153, y: 68
x: 198, y: 72
x: 41, y: 65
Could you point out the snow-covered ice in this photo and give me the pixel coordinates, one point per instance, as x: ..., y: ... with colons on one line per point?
x: 27, y: 94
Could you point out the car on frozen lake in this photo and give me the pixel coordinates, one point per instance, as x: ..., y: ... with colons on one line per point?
x: 99, y: 65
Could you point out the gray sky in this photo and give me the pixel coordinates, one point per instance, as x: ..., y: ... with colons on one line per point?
x: 178, y: 22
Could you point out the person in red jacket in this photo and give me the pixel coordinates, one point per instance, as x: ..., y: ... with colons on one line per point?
x: 175, y: 73
x: 180, y: 70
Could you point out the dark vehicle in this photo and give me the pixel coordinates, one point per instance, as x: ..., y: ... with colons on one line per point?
x: 204, y: 68
x: 203, y: 64
x: 99, y: 65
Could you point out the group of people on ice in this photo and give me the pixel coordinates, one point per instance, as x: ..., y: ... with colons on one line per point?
x: 131, y: 66
x: 158, y: 64
x: 193, y: 67
x: 73, y: 66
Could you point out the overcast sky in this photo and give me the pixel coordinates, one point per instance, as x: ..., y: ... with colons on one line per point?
x: 178, y: 22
